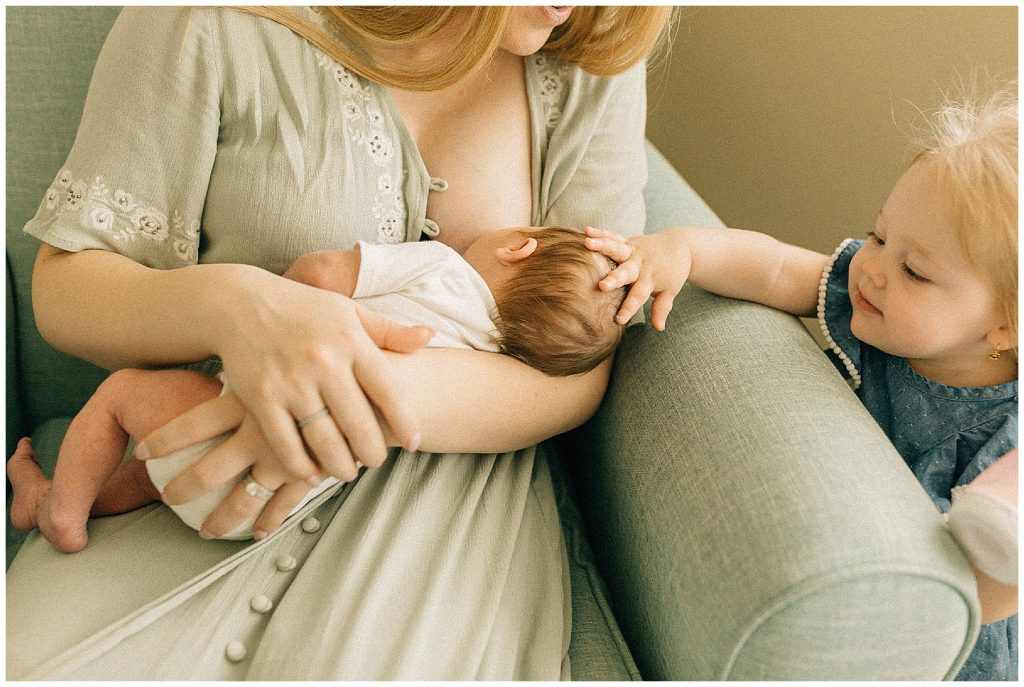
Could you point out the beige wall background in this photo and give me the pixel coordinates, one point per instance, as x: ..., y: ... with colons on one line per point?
x: 795, y: 120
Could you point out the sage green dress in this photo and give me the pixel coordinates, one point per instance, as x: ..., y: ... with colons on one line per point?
x: 215, y: 136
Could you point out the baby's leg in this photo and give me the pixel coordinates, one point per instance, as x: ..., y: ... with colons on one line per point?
x: 128, y: 403
x: 983, y: 519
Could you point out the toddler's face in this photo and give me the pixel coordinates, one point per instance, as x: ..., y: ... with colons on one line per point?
x: 913, y: 293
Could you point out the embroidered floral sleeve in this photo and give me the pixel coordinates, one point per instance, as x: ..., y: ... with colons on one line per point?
x: 117, y: 214
x: 135, y: 180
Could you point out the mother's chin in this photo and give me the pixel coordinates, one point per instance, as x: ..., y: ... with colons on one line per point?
x: 530, y: 27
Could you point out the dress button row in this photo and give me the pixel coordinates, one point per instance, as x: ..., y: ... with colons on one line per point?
x: 285, y: 563
x: 438, y: 184
x: 235, y: 651
x: 310, y: 525
x: 261, y: 603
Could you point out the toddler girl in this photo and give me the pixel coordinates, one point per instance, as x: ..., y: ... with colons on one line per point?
x: 922, y: 316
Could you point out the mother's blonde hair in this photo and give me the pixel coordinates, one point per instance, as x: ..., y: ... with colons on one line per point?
x: 601, y: 40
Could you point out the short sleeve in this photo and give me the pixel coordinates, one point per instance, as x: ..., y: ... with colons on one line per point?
x: 393, y: 268
x: 595, y: 168
x: 835, y: 311
x: 136, y: 178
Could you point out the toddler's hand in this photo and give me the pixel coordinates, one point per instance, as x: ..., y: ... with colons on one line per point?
x: 655, y: 264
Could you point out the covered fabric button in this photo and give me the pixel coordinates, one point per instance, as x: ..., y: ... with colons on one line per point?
x: 430, y: 228
x: 261, y: 603
x: 285, y: 563
x: 310, y: 525
x: 235, y: 651
x: 438, y: 184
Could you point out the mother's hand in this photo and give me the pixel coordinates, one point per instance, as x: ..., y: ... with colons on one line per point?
x: 325, y: 356
x: 245, y: 449
x: 295, y: 355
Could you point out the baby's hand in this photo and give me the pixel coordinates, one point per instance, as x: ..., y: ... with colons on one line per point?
x: 655, y: 264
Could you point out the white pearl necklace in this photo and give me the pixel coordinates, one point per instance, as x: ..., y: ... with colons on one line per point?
x: 822, y: 285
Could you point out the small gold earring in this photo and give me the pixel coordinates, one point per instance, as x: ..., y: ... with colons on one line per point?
x: 995, y: 354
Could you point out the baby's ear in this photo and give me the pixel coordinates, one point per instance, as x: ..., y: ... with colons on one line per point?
x: 510, y: 255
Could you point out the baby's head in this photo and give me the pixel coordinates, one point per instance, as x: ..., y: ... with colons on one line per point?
x: 974, y: 150
x: 551, y: 314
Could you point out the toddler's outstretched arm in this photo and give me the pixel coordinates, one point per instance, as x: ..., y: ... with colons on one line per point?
x: 730, y: 262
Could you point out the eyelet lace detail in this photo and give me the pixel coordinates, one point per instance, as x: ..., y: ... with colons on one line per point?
x: 364, y: 126
x: 855, y: 379
x: 553, y: 76
x: 118, y: 213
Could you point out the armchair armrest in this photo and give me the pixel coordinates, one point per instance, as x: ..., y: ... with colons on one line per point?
x: 750, y: 518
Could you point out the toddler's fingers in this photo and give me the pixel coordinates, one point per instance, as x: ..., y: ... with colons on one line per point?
x: 615, y: 248
x: 635, y: 300
x: 660, y: 309
x: 626, y: 273
x: 601, y: 233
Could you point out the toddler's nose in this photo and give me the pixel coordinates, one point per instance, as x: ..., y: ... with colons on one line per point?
x: 874, y: 272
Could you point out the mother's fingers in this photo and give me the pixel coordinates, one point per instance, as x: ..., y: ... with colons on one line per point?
x: 279, y: 508
x: 205, y: 421
x: 217, y: 467
x: 359, y: 424
x: 324, y: 440
x: 389, y: 395
x: 238, y: 507
x: 390, y: 335
x: 282, y: 433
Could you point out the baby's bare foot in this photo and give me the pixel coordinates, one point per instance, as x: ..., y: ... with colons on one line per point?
x: 30, y: 486
x: 33, y: 505
x: 63, y: 525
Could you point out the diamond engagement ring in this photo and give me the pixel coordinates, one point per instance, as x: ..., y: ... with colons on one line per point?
x: 306, y: 421
x: 254, y: 488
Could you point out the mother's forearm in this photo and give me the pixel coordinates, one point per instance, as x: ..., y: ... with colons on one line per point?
x: 474, y: 402
x: 116, y: 313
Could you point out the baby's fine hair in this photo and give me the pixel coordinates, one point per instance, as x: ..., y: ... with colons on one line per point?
x: 975, y: 146
x: 551, y: 314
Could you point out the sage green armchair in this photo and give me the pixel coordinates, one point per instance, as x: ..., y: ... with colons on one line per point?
x: 731, y: 512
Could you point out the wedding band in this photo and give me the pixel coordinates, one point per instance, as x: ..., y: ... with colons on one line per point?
x: 323, y: 412
x: 254, y: 488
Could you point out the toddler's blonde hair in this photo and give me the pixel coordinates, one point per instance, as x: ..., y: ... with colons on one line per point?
x: 975, y: 147
x: 551, y: 314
